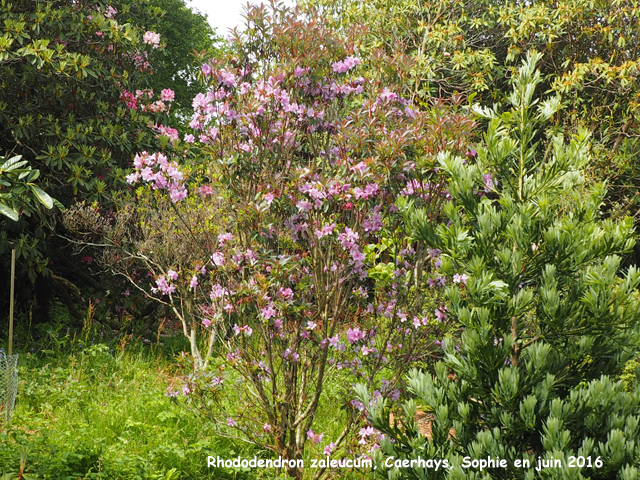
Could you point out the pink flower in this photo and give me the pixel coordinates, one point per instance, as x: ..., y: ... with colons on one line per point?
x: 231, y: 422
x: 224, y: 237
x: 205, y: 190
x: 354, y: 335
x: 188, y: 138
x: 315, y: 437
x: 218, y: 259
x: 167, y: 95
x: 457, y: 278
x: 151, y: 38
x: 325, y: 230
x: 304, y: 205
x: 328, y: 450
x: 345, y: 65
x: 206, y: 70
x: 193, y: 283
x: 227, y: 78
x: 289, y: 355
x: 267, y: 428
x: 218, y: 291
x: 489, y: 183
x: 440, y: 315
x: 268, y: 311
x: 133, y: 177
x: 269, y: 198
x: 285, y: 293
x: 163, y: 286
x: 172, y: 274
x: 186, y: 390
x: 177, y: 194
x: 206, y: 322
x: 246, y: 329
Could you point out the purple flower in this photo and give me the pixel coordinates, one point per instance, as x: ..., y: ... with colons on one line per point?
x: 328, y: 450
x: 354, y: 335
x: 217, y: 259
x: 345, y: 65
x: 268, y: 311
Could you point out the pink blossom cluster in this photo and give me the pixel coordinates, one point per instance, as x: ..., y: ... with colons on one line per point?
x: 141, y: 100
x: 245, y: 329
x: 365, y: 433
x: 151, y: 38
x: 355, y: 335
x: 169, y: 132
x: 346, y: 64
x: 159, y: 173
x: 315, y: 437
x: 163, y: 286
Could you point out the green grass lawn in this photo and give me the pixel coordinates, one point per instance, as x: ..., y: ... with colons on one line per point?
x: 101, y: 412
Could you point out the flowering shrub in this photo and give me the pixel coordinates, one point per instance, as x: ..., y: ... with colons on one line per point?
x: 307, y: 279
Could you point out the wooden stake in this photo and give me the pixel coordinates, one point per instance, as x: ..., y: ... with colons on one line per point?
x: 13, y: 282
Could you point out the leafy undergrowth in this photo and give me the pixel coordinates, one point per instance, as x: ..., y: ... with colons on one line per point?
x: 101, y: 412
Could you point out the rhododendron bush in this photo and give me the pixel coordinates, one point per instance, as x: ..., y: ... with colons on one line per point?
x: 280, y: 249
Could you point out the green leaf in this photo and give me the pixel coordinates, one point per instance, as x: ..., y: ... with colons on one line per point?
x: 13, y: 163
x: 44, y: 197
x: 8, y: 212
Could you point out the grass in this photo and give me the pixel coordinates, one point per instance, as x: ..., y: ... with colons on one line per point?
x: 93, y: 406
x: 95, y: 411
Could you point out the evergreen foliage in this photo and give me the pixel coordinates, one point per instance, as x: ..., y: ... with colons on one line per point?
x: 547, y: 318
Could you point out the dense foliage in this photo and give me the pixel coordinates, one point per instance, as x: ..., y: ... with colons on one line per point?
x: 548, y: 319
x: 76, y: 105
x: 589, y: 56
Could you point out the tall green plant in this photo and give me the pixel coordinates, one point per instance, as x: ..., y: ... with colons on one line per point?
x: 547, y: 318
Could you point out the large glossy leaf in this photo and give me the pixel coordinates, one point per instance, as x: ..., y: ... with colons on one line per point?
x: 43, y: 196
x: 8, y: 212
x: 13, y: 163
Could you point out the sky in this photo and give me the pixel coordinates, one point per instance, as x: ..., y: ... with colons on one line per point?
x: 222, y: 14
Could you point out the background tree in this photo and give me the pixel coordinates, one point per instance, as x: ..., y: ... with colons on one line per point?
x: 183, y: 31
x: 547, y: 318
x: 69, y: 72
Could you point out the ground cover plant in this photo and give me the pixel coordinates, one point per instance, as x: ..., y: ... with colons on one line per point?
x: 88, y: 409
